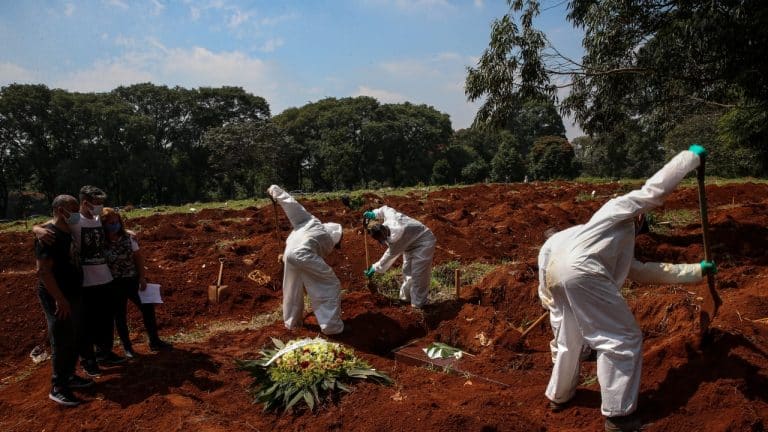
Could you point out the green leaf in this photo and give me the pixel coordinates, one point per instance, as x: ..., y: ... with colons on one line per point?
x: 278, y: 343
x: 309, y: 399
x: 343, y: 387
x: 298, y: 397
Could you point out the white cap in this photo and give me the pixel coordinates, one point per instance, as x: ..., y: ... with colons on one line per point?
x: 333, y: 230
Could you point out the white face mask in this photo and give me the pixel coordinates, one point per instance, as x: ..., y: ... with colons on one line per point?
x: 96, y: 210
x: 73, y: 219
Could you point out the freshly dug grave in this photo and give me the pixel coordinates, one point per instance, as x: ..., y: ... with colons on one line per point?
x: 719, y: 387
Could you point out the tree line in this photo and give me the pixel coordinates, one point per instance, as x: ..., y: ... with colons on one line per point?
x: 149, y: 144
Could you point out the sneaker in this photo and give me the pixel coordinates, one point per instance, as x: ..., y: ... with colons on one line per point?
x: 91, y: 368
x: 130, y: 354
x: 160, y: 345
x: 109, y: 358
x: 63, y: 396
x: 627, y: 423
x: 77, y: 382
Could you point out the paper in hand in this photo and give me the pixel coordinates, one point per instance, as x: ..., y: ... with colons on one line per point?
x: 151, y: 294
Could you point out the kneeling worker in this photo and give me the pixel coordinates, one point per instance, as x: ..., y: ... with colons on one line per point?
x: 581, y: 272
x: 409, y: 237
x: 304, y: 267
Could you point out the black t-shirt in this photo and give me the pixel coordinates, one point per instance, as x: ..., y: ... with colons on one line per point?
x: 66, y: 271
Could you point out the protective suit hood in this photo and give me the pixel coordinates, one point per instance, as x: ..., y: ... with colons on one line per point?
x: 333, y: 230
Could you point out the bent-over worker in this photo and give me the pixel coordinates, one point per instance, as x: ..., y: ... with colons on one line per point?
x: 409, y: 237
x: 581, y: 272
x: 304, y: 267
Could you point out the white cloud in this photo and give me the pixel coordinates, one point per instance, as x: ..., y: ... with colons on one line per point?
x: 380, y: 95
x: 414, y: 5
x: 118, y: 3
x: 69, y: 9
x: 124, y: 41
x: 272, y: 44
x: 479, y: 4
x: 157, y: 7
x: 104, y: 76
x: 237, y: 18
x: 447, y: 56
x: 13, y: 73
x: 186, y: 67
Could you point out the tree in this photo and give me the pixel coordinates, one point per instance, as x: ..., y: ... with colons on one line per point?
x: 507, y: 165
x: 550, y: 158
x: 647, y: 66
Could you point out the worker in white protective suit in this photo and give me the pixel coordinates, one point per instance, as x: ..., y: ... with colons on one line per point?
x: 581, y: 272
x: 409, y: 237
x: 304, y: 267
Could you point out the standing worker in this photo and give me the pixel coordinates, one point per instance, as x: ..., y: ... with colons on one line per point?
x: 304, y: 267
x: 581, y: 272
x: 409, y: 237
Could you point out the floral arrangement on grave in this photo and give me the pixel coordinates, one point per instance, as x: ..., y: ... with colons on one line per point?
x: 306, y: 371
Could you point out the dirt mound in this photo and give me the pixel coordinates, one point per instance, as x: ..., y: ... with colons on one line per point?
x: 721, y: 384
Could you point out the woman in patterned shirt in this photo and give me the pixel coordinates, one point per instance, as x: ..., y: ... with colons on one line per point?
x: 126, y: 262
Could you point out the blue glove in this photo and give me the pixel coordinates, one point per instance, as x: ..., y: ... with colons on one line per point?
x: 699, y: 150
x: 708, y: 267
x: 369, y: 215
x: 371, y: 271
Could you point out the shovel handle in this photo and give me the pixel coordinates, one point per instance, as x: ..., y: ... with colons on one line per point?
x: 707, y: 250
x: 221, y: 271
x: 534, y: 325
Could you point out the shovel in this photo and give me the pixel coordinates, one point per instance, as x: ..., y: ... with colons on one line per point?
x: 348, y: 204
x: 218, y: 292
x: 712, y: 300
x: 512, y: 340
x: 277, y: 231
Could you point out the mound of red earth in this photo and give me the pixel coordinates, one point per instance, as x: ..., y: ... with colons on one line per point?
x: 721, y: 385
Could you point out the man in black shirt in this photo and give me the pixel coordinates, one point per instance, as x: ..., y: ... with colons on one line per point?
x: 60, y: 293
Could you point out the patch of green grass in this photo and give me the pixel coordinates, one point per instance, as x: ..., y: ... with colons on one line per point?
x: 664, y: 223
x: 442, y: 284
x: 203, y: 332
x: 588, y: 380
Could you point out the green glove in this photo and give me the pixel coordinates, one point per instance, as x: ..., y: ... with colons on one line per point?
x: 369, y: 215
x: 708, y: 267
x: 698, y: 149
x: 371, y: 271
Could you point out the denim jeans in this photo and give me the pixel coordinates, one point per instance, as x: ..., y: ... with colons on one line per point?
x: 64, y: 335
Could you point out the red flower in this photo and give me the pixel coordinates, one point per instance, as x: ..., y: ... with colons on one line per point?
x: 304, y: 364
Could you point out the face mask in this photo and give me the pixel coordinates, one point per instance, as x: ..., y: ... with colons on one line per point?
x: 96, y: 210
x: 113, y: 227
x: 73, y: 219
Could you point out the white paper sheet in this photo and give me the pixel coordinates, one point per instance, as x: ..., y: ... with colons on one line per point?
x: 151, y: 294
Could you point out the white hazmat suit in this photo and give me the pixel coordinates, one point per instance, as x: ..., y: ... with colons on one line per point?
x: 581, y: 272
x: 304, y: 267
x: 416, y: 243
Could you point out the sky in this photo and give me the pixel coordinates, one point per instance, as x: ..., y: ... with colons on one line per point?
x: 291, y: 52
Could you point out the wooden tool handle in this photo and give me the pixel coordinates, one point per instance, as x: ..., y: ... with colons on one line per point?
x: 221, y: 270
x: 534, y: 325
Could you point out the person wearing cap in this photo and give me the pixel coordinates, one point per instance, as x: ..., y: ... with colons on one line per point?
x: 581, y: 272
x: 304, y: 267
x: 408, y: 237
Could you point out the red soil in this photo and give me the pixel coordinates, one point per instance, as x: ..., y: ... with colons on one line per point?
x: 721, y: 386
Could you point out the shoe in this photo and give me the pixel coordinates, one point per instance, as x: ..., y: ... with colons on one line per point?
x: 160, y: 345
x: 91, y: 368
x: 130, y: 354
x: 109, y: 358
x: 76, y: 382
x: 627, y: 423
x: 63, y: 396
x: 557, y: 407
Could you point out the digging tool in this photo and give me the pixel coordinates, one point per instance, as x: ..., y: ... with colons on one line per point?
x: 218, y: 292
x: 510, y: 339
x: 712, y: 300
x: 277, y: 231
x: 348, y: 204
